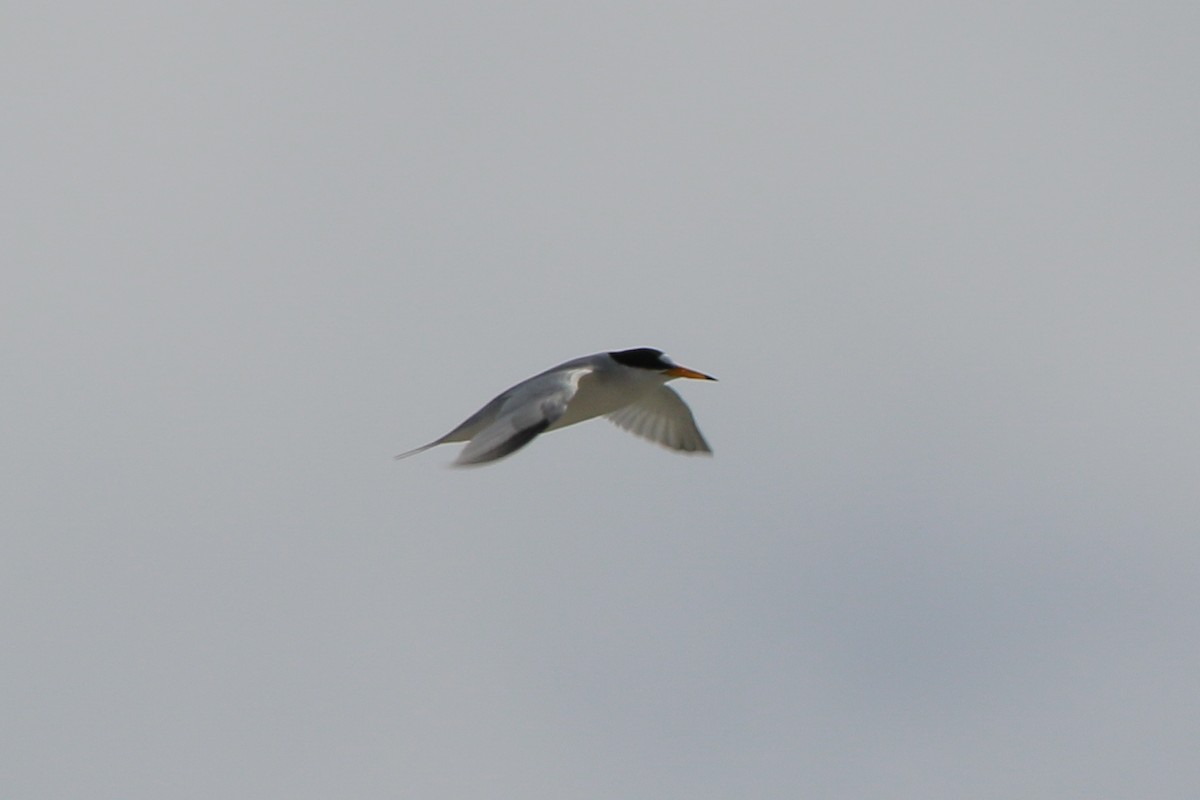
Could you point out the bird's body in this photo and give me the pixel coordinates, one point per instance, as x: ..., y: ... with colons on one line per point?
x: 627, y: 386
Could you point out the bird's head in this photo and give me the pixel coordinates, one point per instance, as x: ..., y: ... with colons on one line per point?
x: 656, y: 361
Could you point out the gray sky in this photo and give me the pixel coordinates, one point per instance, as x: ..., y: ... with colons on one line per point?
x: 943, y: 258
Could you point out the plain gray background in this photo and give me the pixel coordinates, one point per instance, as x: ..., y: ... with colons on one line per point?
x: 942, y: 256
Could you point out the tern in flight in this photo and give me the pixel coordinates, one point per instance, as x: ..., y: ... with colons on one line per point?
x: 627, y: 386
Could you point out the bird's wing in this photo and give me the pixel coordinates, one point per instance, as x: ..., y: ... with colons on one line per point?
x: 661, y: 416
x: 530, y: 408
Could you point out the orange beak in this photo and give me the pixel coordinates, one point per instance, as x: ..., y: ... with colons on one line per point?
x: 684, y: 372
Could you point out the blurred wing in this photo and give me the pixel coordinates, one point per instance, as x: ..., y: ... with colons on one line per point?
x: 662, y: 417
x: 530, y: 408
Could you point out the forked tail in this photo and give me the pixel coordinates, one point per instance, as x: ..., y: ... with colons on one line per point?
x: 420, y: 449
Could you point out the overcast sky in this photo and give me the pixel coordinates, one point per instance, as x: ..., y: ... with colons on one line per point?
x: 942, y: 257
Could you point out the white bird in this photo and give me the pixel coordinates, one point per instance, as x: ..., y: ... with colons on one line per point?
x: 627, y: 386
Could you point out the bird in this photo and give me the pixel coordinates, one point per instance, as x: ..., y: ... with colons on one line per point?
x: 626, y: 386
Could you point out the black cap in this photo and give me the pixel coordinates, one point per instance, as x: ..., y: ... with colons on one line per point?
x: 642, y: 358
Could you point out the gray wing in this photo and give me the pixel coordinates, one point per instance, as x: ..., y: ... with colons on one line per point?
x: 662, y: 417
x: 530, y: 409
